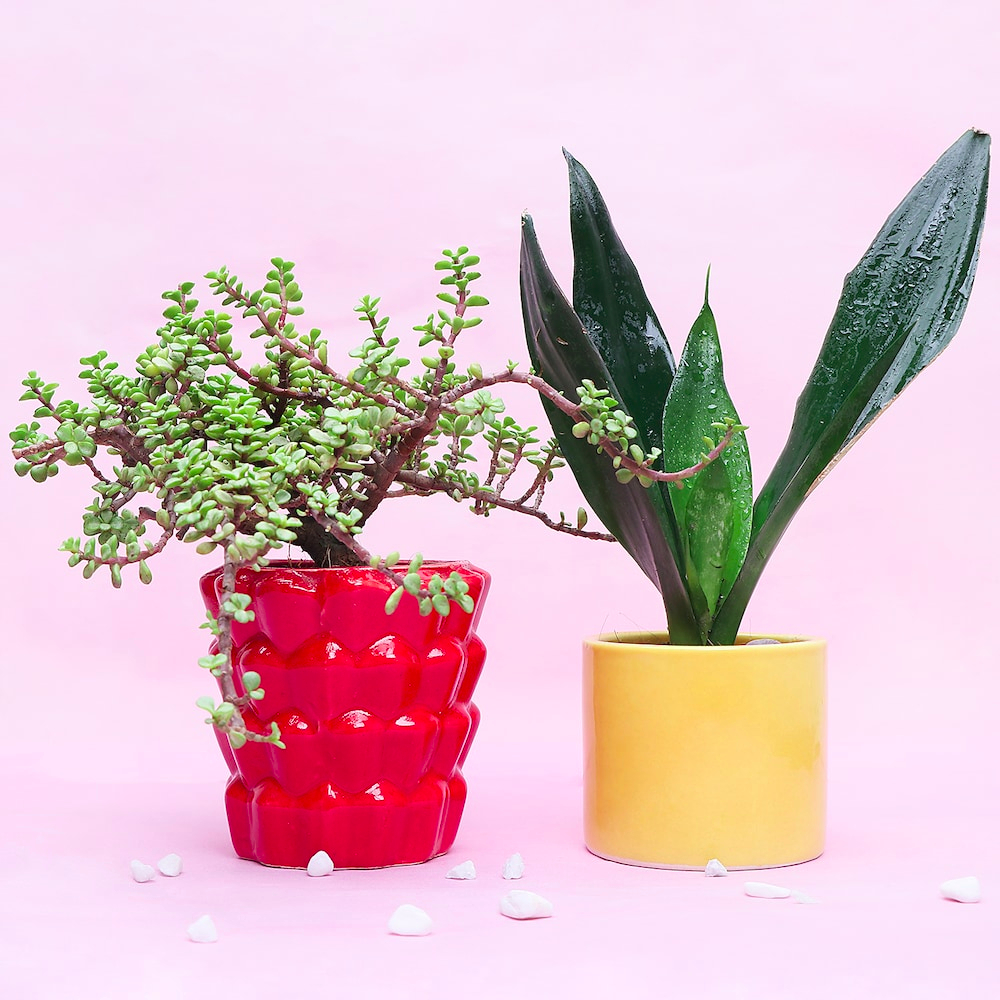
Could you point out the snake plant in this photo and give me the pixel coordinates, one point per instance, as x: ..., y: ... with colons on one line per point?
x: 702, y: 541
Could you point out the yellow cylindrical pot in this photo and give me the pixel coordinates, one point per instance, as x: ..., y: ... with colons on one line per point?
x: 701, y: 752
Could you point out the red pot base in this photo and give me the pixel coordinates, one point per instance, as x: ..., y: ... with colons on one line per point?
x: 375, y: 829
x: 374, y: 711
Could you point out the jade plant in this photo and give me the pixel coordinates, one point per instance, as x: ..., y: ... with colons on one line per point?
x: 244, y: 458
x: 703, y: 540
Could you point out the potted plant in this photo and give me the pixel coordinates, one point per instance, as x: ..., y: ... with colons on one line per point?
x: 701, y: 743
x: 345, y: 678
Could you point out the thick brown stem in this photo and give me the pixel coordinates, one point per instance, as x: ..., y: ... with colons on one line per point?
x: 385, y: 473
x: 321, y: 546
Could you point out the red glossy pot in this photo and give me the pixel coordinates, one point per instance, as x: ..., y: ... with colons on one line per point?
x: 374, y: 710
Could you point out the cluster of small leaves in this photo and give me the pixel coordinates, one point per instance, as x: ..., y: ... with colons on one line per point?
x: 228, y: 715
x: 609, y: 428
x: 436, y: 594
x: 609, y: 424
x: 242, y: 459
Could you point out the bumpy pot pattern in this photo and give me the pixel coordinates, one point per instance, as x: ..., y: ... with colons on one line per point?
x: 375, y: 712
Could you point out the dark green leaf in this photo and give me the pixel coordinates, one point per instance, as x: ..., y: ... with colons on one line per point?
x: 609, y: 298
x: 899, y: 309
x: 562, y: 353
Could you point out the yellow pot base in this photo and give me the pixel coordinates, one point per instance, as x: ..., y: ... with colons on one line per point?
x: 697, y: 868
x: 699, y: 752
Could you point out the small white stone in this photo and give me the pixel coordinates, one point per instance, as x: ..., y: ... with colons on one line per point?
x: 801, y: 897
x: 764, y: 890
x: 142, y: 872
x: 320, y: 864
x: 410, y: 921
x: 523, y: 905
x: 715, y: 868
x: 764, y: 642
x: 962, y: 890
x: 513, y: 867
x: 465, y: 870
x: 170, y: 865
x: 203, y: 930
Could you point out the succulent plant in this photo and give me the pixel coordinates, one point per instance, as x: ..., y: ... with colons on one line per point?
x: 701, y: 541
x: 242, y: 459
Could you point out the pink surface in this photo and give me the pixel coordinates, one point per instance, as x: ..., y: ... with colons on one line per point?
x: 144, y: 146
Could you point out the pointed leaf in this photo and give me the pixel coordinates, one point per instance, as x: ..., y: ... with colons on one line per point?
x: 899, y: 309
x: 563, y: 355
x: 609, y: 298
x: 766, y: 534
x: 713, y: 508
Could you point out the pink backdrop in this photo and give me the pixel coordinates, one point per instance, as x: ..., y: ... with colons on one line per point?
x: 146, y: 144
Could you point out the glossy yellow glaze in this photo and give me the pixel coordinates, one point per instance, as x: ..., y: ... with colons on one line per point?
x: 694, y: 753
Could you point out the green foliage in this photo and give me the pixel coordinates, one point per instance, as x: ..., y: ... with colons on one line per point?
x: 703, y: 547
x: 241, y: 457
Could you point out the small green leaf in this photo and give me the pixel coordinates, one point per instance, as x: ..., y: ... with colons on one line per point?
x: 393, y: 601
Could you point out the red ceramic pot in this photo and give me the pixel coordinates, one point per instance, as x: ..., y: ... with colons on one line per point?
x: 374, y: 710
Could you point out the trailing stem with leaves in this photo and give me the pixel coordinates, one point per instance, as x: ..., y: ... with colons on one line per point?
x: 704, y: 541
x: 243, y: 458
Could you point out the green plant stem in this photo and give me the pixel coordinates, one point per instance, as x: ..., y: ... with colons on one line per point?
x: 225, y: 623
x: 579, y: 414
x: 426, y: 484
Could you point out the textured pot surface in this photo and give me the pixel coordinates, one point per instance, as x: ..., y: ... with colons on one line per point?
x: 375, y: 711
x: 694, y: 753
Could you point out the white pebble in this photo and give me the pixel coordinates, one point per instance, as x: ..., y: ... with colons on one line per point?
x: 203, y: 930
x: 513, y: 867
x: 465, y: 870
x: 410, y: 921
x: 170, y: 865
x: 523, y: 905
x: 715, y: 868
x: 764, y: 642
x: 801, y: 897
x: 962, y: 890
x: 764, y: 890
x: 142, y: 872
x: 320, y: 864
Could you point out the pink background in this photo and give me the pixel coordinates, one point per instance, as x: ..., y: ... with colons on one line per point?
x: 146, y: 144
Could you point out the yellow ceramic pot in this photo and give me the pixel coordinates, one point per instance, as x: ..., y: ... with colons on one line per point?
x: 701, y: 752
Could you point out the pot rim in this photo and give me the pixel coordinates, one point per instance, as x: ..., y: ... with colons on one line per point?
x: 643, y: 640
x: 307, y: 566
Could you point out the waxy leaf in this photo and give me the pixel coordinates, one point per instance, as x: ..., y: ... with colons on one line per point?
x: 899, y: 309
x: 712, y: 508
x: 562, y: 353
x: 609, y: 299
